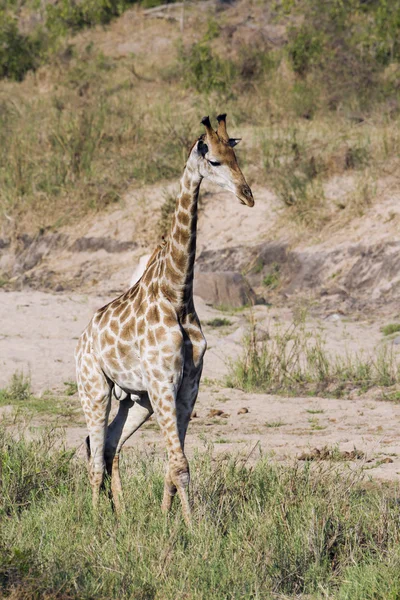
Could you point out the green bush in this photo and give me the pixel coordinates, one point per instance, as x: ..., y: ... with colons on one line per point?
x: 18, y: 53
x: 73, y: 15
x: 305, y: 48
x: 204, y: 70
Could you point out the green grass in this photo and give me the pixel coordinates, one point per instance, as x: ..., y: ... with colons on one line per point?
x: 219, y: 322
x: 71, y: 388
x: 259, y: 532
x: 390, y: 328
x: 271, y: 280
x: 296, y: 360
x: 315, y: 425
x: 274, y: 423
x: 19, y: 395
x: 18, y: 391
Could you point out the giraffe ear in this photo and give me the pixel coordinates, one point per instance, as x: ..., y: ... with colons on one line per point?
x: 202, y: 148
x: 232, y: 142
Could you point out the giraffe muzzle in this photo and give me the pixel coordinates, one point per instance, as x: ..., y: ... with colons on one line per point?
x: 246, y: 196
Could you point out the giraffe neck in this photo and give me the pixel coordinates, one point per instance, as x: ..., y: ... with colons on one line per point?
x: 180, y: 251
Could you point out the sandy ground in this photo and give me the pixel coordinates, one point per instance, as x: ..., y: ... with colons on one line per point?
x: 39, y: 331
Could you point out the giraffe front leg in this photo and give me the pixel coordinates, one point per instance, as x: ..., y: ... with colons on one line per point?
x: 132, y: 413
x: 185, y: 401
x: 177, y: 478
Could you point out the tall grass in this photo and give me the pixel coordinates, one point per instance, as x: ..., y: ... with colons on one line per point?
x: 78, y: 150
x: 93, y: 134
x: 296, y: 360
x: 259, y: 532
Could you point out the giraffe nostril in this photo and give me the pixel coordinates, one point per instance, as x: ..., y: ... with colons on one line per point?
x: 246, y: 196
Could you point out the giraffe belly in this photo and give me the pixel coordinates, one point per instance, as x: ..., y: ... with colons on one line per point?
x: 130, y: 383
x: 128, y: 379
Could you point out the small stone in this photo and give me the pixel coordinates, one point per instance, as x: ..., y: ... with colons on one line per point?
x: 396, y: 341
x: 194, y: 415
x: 335, y: 317
x: 225, y: 415
x: 243, y: 411
x: 386, y: 460
x: 215, y: 412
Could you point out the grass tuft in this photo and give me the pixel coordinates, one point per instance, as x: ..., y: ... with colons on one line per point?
x: 296, y: 360
x: 219, y: 322
x: 390, y: 328
x: 18, y: 390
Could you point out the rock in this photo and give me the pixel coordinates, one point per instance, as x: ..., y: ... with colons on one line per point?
x: 243, y: 411
x: 93, y: 244
x: 386, y: 460
x: 396, y: 341
x: 194, y: 415
x: 223, y: 288
x: 334, y: 318
x: 215, y: 412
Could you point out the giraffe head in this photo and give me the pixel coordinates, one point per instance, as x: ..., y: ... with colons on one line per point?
x: 217, y: 160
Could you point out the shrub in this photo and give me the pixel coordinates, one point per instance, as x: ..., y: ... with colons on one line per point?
x: 67, y: 15
x: 18, y: 53
x: 204, y: 70
x: 305, y: 48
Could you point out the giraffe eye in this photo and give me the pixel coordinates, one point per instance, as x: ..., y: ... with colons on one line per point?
x: 214, y: 163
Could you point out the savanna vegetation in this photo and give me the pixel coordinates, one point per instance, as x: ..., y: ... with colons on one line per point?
x: 315, y: 96
x: 295, y: 360
x: 260, y: 530
x: 318, y: 99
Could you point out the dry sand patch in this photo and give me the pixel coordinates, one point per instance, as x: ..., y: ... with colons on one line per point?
x: 39, y: 332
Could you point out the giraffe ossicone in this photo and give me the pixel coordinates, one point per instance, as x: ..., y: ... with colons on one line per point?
x: 148, y: 343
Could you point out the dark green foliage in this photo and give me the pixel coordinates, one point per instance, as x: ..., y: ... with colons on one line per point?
x: 68, y: 15
x: 204, y: 70
x: 271, y: 280
x: 219, y: 322
x: 305, y: 49
x: 18, y: 53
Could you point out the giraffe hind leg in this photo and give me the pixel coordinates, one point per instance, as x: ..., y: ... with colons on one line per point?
x: 95, y: 396
x: 132, y: 413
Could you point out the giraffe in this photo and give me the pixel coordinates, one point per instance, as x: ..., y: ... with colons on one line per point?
x: 148, y: 342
